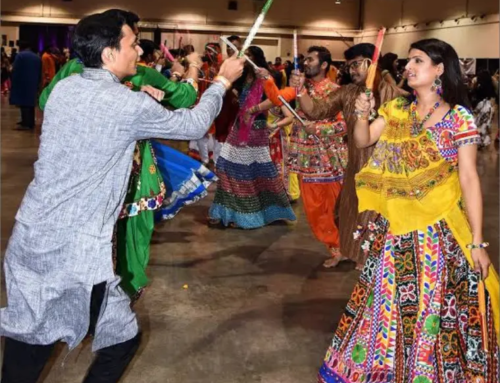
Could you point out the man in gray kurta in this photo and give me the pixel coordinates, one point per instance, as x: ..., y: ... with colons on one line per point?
x: 60, y: 248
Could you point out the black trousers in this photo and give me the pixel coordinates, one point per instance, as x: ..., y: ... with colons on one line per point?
x: 23, y: 363
x: 28, y: 116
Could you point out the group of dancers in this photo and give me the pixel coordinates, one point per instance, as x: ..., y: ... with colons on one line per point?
x: 398, y: 170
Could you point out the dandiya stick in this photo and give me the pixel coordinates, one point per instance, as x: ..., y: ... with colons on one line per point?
x: 212, y: 50
x: 295, y: 51
x: 255, y: 27
x: 273, y: 133
x: 167, y: 53
x: 372, y: 70
x: 233, y: 47
x: 295, y: 56
x: 295, y: 114
x: 482, y: 313
x: 209, y: 48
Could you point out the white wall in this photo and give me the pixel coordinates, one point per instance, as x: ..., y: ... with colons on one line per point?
x: 479, y: 38
x: 468, y: 38
x: 392, y: 13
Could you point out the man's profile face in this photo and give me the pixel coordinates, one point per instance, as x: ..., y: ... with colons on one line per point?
x: 123, y: 61
x: 312, y: 67
x: 358, y: 69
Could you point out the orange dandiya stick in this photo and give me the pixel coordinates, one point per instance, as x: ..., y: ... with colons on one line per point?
x: 273, y: 133
x: 482, y: 313
x: 372, y: 70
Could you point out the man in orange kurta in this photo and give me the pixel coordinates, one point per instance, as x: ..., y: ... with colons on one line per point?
x: 318, y: 154
x: 48, y: 67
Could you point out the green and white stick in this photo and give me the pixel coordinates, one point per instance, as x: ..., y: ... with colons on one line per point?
x: 255, y: 27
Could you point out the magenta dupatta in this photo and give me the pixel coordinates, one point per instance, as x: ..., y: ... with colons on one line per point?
x: 245, y: 120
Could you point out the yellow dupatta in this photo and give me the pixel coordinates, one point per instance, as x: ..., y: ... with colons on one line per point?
x: 413, y: 180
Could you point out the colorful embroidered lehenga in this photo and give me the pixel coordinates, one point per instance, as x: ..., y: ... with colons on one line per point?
x: 413, y: 317
x: 250, y: 193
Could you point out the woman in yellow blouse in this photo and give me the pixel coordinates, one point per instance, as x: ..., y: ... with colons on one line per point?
x: 414, y: 316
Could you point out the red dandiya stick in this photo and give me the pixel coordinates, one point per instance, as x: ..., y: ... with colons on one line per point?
x: 372, y: 70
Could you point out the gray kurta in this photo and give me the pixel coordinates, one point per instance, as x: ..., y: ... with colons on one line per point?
x: 61, y: 243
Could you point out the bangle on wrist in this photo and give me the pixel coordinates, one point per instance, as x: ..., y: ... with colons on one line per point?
x: 224, y: 81
x: 482, y: 245
x: 194, y: 65
x: 361, y: 115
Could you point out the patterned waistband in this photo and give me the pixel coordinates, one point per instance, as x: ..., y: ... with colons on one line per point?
x: 322, y: 179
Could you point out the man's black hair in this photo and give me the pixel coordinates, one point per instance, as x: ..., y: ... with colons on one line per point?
x: 96, y: 32
x: 324, y: 55
x: 132, y: 19
x: 365, y: 50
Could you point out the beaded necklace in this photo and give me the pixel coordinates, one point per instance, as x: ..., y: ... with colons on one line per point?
x: 417, y: 126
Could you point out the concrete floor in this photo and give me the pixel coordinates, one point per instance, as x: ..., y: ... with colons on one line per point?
x: 259, y: 307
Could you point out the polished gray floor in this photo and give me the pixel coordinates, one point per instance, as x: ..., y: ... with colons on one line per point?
x: 258, y: 306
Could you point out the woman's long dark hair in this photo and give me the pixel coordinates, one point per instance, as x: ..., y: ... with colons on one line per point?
x: 387, y: 63
x: 484, y: 88
x: 454, y: 90
x: 259, y: 59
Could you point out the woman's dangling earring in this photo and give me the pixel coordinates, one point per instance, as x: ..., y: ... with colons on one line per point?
x: 437, y: 86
